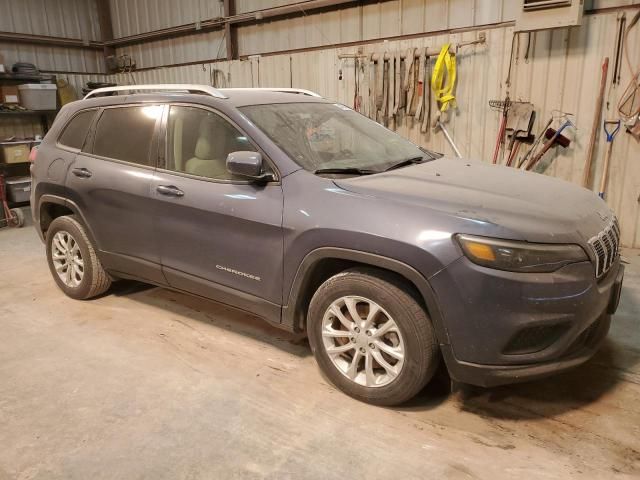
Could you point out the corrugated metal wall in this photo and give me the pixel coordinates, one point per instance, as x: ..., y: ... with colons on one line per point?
x: 77, y: 19
x: 561, y: 74
x: 351, y: 24
x: 130, y: 17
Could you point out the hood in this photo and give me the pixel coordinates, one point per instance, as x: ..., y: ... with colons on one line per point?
x: 499, y: 201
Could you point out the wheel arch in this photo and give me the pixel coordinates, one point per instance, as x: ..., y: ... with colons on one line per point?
x: 323, y: 263
x: 51, y: 207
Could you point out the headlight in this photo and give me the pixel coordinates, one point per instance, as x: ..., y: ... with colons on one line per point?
x: 519, y: 256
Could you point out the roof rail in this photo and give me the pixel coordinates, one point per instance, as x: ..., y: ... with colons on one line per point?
x: 170, y: 87
x: 300, y: 91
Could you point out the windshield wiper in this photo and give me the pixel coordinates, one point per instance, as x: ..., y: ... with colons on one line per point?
x: 406, y: 163
x: 345, y: 170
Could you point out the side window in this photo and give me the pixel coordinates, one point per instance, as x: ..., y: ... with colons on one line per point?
x: 126, y: 133
x: 199, y: 141
x: 76, y: 130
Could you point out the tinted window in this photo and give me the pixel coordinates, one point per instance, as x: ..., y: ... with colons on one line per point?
x: 125, y: 133
x: 199, y: 142
x: 76, y: 130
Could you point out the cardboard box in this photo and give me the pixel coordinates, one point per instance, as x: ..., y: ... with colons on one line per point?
x: 10, y: 94
x: 14, y: 152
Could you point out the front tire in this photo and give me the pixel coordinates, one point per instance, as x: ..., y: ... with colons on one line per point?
x: 72, y: 260
x: 372, y: 338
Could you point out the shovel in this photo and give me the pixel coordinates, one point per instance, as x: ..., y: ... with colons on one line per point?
x: 611, y: 135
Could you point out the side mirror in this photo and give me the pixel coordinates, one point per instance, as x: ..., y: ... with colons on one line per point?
x: 247, y: 164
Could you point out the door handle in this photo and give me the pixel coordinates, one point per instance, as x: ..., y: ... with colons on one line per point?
x: 169, y: 190
x: 81, y: 172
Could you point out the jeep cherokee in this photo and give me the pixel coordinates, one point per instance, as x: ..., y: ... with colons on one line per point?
x: 304, y: 212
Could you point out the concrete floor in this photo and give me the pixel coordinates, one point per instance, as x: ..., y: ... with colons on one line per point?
x: 147, y: 383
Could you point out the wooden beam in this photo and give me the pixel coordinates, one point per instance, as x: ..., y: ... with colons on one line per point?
x: 230, y: 31
x: 106, y: 30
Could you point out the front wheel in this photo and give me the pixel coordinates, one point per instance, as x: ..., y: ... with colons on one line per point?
x: 371, y: 338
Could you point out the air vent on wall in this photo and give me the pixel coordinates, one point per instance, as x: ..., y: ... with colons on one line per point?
x: 544, y: 14
x: 540, y: 4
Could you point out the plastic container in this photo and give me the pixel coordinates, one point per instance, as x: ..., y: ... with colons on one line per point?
x: 18, y: 189
x: 38, y: 96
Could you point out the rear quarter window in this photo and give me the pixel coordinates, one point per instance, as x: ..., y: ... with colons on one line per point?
x: 126, y: 133
x: 75, y: 131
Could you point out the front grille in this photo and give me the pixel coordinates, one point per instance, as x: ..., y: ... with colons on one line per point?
x: 606, y: 247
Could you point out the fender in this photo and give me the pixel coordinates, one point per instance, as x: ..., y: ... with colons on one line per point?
x: 58, y: 200
x: 293, y: 316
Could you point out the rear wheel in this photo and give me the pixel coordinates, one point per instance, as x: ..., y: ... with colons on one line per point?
x: 371, y: 338
x: 72, y: 260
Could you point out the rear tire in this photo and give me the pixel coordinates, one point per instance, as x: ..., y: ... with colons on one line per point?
x: 384, y: 358
x: 72, y: 260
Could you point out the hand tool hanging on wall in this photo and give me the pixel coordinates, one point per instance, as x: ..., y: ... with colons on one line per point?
x: 629, y: 104
x: 409, y: 79
x: 357, y: 97
x: 519, y: 125
x: 617, y: 65
x: 553, y: 141
x: 521, y: 133
x: 373, y: 90
x: 397, y: 84
x: 387, y: 92
x: 560, y: 141
x: 596, y: 123
x: 501, y: 105
x: 419, y: 94
x: 438, y: 125
x: 379, y: 88
x: 611, y: 135
x: 537, y: 141
x: 426, y: 107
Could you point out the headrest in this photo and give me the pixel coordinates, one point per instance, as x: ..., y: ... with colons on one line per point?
x: 204, y: 149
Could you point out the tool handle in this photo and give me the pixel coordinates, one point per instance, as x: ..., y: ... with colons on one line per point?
x: 611, y: 133
x: 605, y: 171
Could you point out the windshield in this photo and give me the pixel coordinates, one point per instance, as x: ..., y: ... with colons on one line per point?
x: 323, y: 136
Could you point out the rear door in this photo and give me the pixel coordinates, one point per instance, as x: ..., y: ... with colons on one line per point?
x: 110, y: 181
x: 220, y: 236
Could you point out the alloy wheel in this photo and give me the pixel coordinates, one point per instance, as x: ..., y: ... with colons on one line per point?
x: 67, y: 259
x: 363, y: 341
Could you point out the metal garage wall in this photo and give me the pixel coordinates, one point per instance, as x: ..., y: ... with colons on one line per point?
x: 562, y: 73
x: 77, y: 19
x: 131, y: 17
x: 206, y: 46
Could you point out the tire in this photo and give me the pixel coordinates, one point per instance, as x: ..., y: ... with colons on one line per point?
x: 413, y: 335
x: 92, y: 280
x: 17, y: 218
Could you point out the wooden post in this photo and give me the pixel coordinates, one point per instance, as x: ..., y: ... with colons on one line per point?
x: 106, y: 30
x: 230, y: 31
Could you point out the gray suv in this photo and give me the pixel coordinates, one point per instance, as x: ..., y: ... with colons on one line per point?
x: 315, y: 218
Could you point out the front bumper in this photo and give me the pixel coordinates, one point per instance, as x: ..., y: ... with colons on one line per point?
x: 564, y: 316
